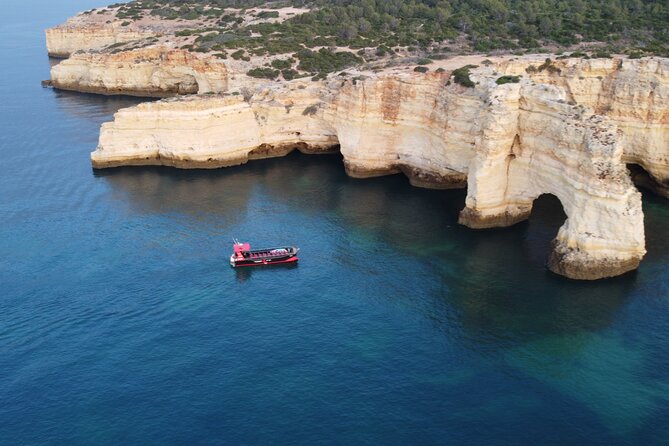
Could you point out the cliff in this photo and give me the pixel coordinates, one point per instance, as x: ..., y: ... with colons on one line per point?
x: 150, y: 71
x: 633, y: 94
x: 508, y: 144
x: 64, y: 40
x: 215, y: 131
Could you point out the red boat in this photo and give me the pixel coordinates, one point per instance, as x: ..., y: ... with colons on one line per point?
x: 243, y: 255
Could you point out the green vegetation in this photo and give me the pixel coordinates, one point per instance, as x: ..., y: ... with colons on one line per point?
x: 268, y: 15
x: 282, y: 64
x: 263, y: 73
x: 427, y: 29
x: 421, y: 69
x: 507, y: 80
x: 488, y: 24
x: 325, y: 60
x: 240, y: 55
x: 290, y: 74
x: 461, y: 76
x: 548, y: 65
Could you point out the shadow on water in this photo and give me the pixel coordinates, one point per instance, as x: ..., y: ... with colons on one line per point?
x: 493, y: 291
x: 496, y: 280
x: 88, y: 106
x: 244, y: 274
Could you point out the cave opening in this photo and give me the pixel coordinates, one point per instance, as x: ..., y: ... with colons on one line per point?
x: 644, y: 180
x: 545, y: 220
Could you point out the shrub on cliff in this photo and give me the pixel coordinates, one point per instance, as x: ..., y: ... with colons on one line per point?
x: 549, y: 66
x: 290, y: 74
x: 461, y: 76
x: 325, y: 60
x: 238, y: 55
x: 268, y: 15
x: 507, y: 80
x: 282, y: 64
x: 601, y: 55
x: 263, y: 73
x: 421, y: 69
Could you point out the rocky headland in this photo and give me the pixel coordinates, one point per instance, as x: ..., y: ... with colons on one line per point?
x: 507, y: 128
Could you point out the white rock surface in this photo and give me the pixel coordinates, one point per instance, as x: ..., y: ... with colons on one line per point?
x: 68, y: 38
x: 151, y: 71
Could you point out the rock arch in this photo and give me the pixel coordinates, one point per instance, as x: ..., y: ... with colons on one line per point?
x: 508, y: 144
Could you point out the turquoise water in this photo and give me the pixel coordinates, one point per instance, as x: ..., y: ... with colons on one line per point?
x: 122, y: 323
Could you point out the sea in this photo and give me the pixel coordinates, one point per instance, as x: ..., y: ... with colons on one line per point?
x: 122, y: 322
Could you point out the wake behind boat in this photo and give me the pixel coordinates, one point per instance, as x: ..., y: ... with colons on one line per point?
x: 243, y: 255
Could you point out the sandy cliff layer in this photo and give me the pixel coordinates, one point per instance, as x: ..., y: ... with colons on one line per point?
x: 215, y: 131
x: 68, y: 38
x: 633, y: 94
x: 151, y: 71
x: 507, y: 143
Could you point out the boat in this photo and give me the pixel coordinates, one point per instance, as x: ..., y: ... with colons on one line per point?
x: 243, y: 255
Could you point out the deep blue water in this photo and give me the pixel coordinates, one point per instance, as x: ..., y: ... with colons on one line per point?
x: 122, y: 323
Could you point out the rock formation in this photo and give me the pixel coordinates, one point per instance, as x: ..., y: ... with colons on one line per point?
x: 209, y: 132
x: 153, y: 71
x: 565, y: 126
x: 633, y: 94
x: 507, y: 143
x: 64, y: 40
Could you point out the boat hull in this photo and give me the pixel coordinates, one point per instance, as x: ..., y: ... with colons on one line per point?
x: 244, y: 256
x: 262, y: 262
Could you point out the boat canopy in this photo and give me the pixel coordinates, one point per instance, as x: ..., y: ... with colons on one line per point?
x: 242, y: 247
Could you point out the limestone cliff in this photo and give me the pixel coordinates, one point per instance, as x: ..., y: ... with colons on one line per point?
x: 507, y: 143
x: 70, y: 37
x: 632, y: 93
x: 150, y: 71
x: 216, y: 131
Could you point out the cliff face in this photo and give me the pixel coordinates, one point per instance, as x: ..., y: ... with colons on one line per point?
x: 151, y: 71
x: 411, y: 124
x: 507, y: 143
x: 633, y: 94
x: 64, y: 40
x: 216, y: 131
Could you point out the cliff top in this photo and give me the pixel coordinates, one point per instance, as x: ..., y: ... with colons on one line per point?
x: 295, y: 38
